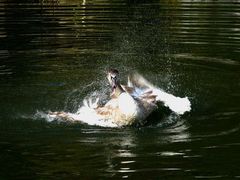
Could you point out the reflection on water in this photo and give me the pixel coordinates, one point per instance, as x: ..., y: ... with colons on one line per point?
x: 125, y: 154
x: 55, y: 52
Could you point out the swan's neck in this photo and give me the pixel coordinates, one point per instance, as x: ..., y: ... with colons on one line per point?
x: 117, y: 91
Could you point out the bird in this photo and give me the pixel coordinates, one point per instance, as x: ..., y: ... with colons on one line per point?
x: 129, y: 104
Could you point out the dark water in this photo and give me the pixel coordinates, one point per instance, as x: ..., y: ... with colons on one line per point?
x: 54, y: 53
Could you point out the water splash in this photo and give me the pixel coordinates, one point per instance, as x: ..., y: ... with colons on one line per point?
x: 86, y: 112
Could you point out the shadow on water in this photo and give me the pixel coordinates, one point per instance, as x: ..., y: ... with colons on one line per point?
x: 24, y: 21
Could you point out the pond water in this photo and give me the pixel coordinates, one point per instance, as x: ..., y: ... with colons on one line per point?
x: 53, y: 53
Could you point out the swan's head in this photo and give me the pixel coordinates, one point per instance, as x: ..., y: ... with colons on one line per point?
x: 113, y: 78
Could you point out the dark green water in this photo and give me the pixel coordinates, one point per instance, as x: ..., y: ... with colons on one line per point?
x: 54, y: 53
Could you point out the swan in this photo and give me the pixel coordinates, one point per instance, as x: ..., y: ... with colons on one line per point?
x: 128, y: 105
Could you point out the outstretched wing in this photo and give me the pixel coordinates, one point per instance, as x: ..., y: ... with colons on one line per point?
x: 90, y: 113
x: 142, y: 88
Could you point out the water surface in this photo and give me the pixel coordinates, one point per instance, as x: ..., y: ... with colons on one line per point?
x: 55, y: 53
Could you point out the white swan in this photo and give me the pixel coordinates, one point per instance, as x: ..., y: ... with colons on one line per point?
x: 128, y: 105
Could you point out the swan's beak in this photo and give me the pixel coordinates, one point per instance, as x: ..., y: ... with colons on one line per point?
x: 113, y: 78
x: 114, y: 82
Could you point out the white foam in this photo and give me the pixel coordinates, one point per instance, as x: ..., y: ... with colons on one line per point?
x: 43, y: 115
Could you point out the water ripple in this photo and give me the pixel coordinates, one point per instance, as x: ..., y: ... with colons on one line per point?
x: 54, y: 52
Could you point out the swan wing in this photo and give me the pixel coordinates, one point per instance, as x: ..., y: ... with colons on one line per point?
x: 145, y: 90
x: 90, y: 114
